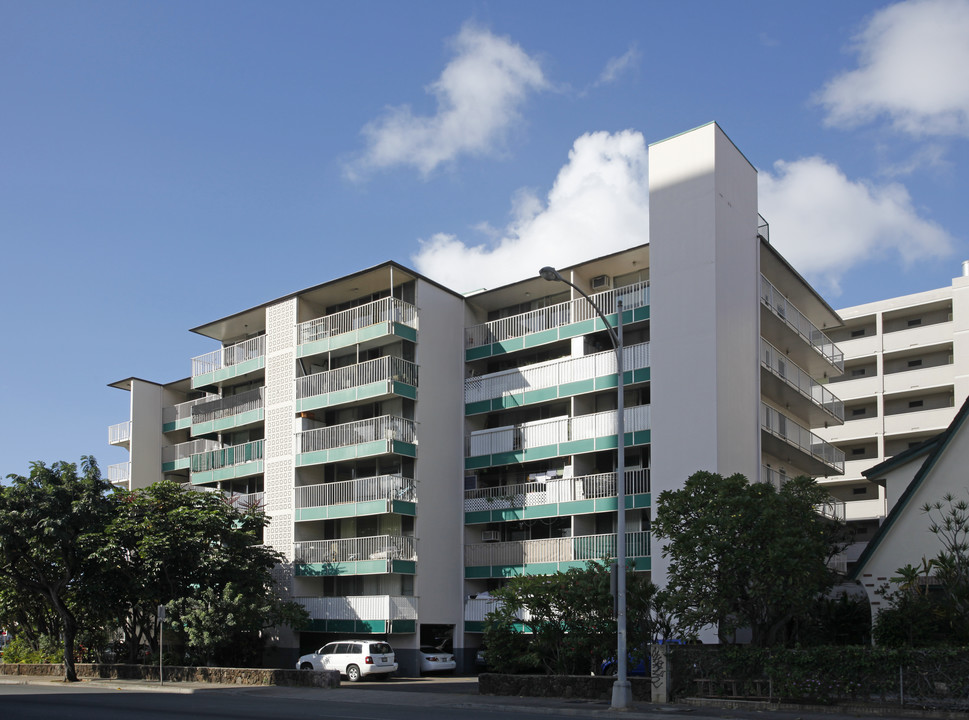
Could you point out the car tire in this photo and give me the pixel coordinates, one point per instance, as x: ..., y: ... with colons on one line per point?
x: 353, y: 673
x: 306, y: 666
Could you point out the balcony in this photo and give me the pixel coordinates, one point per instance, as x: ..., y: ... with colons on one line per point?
x: 371, y: 380
x: 921, y: 336
x: 229, y: 413
x: 361, y: 615
x: 937, y: 419
x: 555, y: 498
x: 782, y: 435
x: 353, y: 498
x: 119, y: 475
x: 860, y: 387
x: 120, y: 434
x: 788, y: 384
x: 831, y: 508
x: 554, y: 379
x: 816, y: 353
x: 866, y: 509
x: 381, y: 554
x: 179, y: 457
x: 552, y: 438
x: 550, y: 555
x: 476, y: 608
x: 178, y: 417
x: 556, y: 322
x: 247, y: 502
x: 937, y: 376
x: 362, y: 438
x: 229, y: 362
x: 363, y: 324
x: 861, y: 346
x: 228, y: 463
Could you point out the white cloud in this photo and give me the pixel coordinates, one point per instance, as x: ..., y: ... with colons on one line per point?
x: 825, y: 224
x: 618, y: 65
x: 479, y: 95
x: 598, y: 205
x: 912, y: 67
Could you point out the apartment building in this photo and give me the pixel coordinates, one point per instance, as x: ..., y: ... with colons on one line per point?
x: 414, y: 448
x: 906, y: 372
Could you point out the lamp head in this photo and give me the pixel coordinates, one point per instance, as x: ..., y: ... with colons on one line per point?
x: 550, y: 273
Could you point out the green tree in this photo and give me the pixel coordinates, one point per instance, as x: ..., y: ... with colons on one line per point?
x: 563, y: 623
x: 51, y: 528
x: 745, y: 555
x: 200, y: 557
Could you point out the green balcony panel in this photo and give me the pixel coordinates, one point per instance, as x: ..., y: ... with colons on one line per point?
x: 229, y: 372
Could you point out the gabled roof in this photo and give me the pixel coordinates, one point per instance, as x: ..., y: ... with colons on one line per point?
x: 933, y: 449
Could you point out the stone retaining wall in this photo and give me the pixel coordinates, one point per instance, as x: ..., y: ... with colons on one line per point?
x: 589, y: 687
x: 175, y: 673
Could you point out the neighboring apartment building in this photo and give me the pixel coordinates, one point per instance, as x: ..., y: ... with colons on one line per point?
x: 414, y: 447
x: 906, y: 372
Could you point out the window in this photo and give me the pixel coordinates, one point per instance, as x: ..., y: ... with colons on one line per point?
x: 858, y: 333
x: 915, y: 322
x: 915, y: 403
x: 915, y: 363
x: 858, y: 372
x: 857, y: 451
x: 859, y: 491
x: 859, y: 411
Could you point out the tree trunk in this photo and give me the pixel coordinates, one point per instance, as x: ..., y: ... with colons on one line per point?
x: 69, y: 623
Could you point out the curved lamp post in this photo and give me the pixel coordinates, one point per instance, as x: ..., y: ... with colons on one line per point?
x: 621, y: 689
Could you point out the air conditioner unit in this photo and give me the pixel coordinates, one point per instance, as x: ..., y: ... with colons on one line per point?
x: 601, y: 282
x: 489, y: 536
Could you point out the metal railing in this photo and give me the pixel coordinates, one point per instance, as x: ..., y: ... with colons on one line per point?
x: 779, y: 425
x: 182, y: 451
x: 380, y: 487
x: 384, y: 310
x: 830, y: 508
x: 182, y: 411
x: 227, y: 407
x: 229, y: 356
x: 227, y: 457
x: 360, y: 607
x: 583, y: 487
x: 797, y: 321
x: 513, y: 438
x: 371, y: 371
x: 385, y: 427
x: 549, y: 550
x: 246, y: 501
x: 553, y: 373
x: 553, y: 316
x: 763, y: 227
x: 119, y: 433
x: 380, y: 547
x: 780, y: 366
x: 119, y: 472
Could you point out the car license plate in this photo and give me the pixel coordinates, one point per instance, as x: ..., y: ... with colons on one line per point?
x: 383, y: 659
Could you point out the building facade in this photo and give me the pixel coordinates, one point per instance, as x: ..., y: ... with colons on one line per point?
x: 906, y: 372
x: 414, y: 448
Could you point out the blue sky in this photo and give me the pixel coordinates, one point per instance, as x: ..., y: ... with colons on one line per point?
x: 166, y: 164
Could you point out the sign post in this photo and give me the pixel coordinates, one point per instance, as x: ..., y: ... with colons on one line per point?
x: 161, y: 646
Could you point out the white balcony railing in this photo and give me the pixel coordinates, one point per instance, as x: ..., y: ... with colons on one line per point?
x: 185, y: 450
x: 119, y: 473
x: 385, y: 310
x: 227, y: 457
x: 380, y: 547
x: 226, y: 407
x: 476, y: 608
x: 246, y: 501
x: 229, y: 356
x: 779, y: 425
x: 513, y: 438
x: 553, y: 550
x: 553, y: 373
x: 780, y: 365
x: 183, y: 411
x: 362, y: 607
x: 385, y: 427
x: 554, y: 316
x: 559, y: 490
x: 120, y: 433
x: 796, y: 320
x: 371, y: 371
x: 866, y: 509
x: 381, y: 487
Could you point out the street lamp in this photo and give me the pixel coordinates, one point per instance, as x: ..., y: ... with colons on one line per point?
x: 621, y: 689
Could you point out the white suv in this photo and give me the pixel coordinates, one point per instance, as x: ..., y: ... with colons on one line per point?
x: 353, y: 658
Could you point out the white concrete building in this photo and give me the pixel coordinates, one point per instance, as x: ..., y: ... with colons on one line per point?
x: 414, y: 448
x: 906, y: 371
